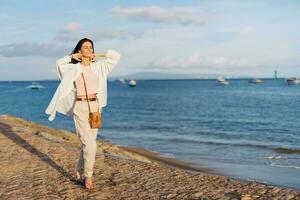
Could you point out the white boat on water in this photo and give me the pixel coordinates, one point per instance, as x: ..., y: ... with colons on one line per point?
x: 35, y: 86
x: 122, y: 81
x: 255, y: 81
x: 292, y: 81
x: 222, y: 81
x: 132, y: 83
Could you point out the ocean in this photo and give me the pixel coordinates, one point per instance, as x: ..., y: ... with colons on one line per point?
x: 245, y: 131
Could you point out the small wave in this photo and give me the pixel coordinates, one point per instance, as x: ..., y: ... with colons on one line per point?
x: 169, y: 155
x: 274, y: 158
x: 285, y: 166
x: 282, y: 150
x: 220, y: 143
x: 276, y: 149
x: 259, y: 181
x: 279, y: 158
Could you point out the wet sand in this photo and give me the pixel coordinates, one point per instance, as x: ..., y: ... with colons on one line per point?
x: 38, y: 162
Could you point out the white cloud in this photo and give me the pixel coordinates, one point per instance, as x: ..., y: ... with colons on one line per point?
x: 195, y: 60
x: 27, y: 68
x: 247, y: 30
x: 82, y: 12
x: 114, y: 34
x: 30, y: 49
x: 179, y: 15
x: 244, y: 30
x: 72, y: 27
x: 71, y: 32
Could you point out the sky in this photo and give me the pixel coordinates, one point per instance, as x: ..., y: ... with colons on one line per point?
x: 229, y: 37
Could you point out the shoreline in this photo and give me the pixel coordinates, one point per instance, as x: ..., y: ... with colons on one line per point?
x: 120, y: 168
x: 163, y: 160
x: 177, y: 163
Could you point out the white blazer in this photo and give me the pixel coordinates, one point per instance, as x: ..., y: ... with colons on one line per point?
x: 63, y: 100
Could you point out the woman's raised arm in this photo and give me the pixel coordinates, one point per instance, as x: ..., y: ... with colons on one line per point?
x: 111, y: 59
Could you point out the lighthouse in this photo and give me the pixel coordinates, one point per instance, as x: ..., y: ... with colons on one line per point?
x: 275, y: 74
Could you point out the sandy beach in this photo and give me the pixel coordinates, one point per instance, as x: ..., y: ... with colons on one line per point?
x: 38, y: 162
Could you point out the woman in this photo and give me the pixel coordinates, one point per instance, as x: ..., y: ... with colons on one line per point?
x: 70, y: 98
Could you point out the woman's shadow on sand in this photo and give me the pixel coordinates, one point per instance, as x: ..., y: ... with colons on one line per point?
x: 9, y: 133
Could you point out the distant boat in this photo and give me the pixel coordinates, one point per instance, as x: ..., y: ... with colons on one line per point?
x: 255, y: 81
x: 35, y: 86
x: 222, y: 81
x: 122, y: 81
x: 132, y: 83
x: 292, y: 81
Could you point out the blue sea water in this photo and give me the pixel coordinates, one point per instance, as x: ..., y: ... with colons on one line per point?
x: 245, y: 131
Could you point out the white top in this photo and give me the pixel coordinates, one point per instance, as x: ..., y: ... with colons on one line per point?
x: 63, y: 100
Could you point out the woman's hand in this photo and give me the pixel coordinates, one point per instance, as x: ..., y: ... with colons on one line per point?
x: 93, y: 57
x: 76, y: 56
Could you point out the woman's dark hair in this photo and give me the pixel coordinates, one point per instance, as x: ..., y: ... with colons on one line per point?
x: 78, y: 47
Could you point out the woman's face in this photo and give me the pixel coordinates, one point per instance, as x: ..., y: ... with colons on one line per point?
x: 86, y: 49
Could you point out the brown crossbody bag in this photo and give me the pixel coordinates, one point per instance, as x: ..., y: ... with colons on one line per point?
x: 94, y: 117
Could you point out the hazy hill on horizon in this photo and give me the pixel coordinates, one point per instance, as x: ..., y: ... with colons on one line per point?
x: 159, y: 76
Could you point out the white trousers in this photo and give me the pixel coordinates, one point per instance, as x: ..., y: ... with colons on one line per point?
x: 87, y: 137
